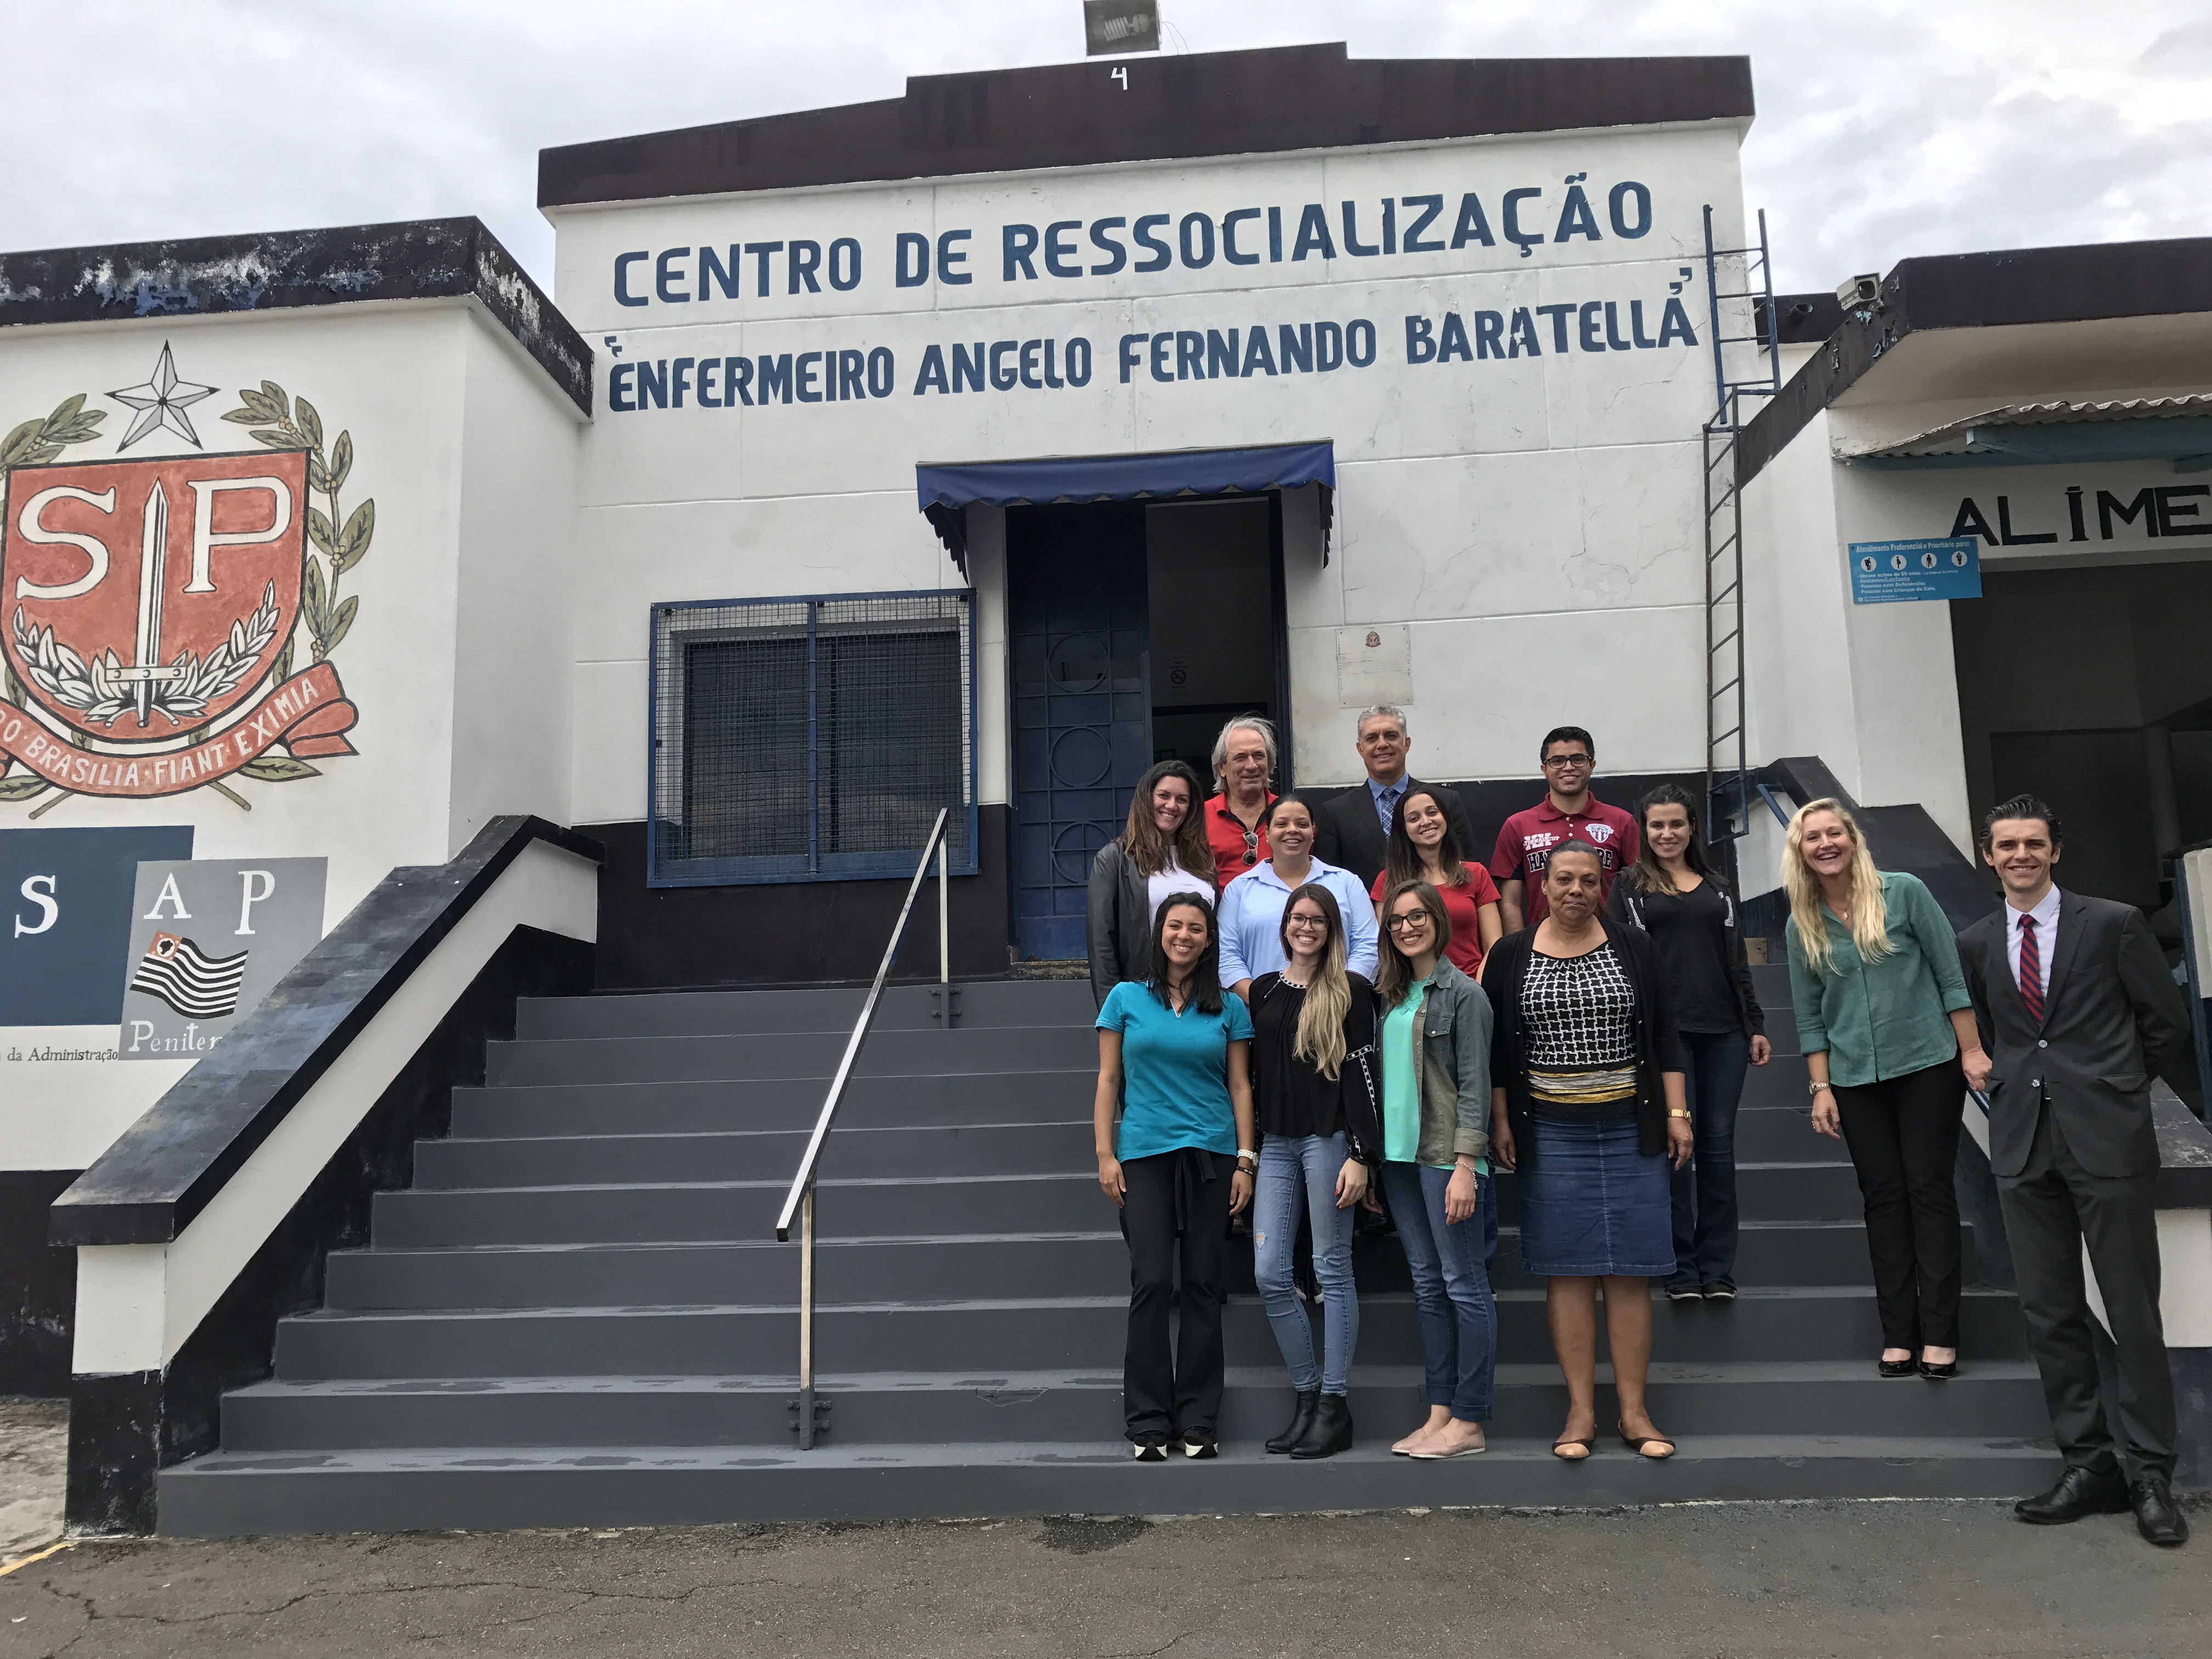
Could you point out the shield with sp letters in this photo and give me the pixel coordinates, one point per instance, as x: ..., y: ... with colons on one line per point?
x: 144, y: 599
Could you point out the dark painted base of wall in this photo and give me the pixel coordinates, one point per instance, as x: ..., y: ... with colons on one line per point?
x: 810, y: 932
x: 37, y: 1286
x: 792, y: 933
x: 124, y: 1428
x: 2192, y: 1400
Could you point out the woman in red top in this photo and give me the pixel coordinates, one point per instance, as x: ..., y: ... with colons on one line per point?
x: 1423, y: 848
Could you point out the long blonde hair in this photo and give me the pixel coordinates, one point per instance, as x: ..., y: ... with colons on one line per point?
x: 1319, y: 1040
x: 1869, y: 913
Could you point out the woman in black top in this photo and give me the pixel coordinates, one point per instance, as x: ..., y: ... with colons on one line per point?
x: 1315, y: 1092
x: 1672, y: 894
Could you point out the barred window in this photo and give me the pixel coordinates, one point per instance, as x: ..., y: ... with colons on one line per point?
x: 809, y: 739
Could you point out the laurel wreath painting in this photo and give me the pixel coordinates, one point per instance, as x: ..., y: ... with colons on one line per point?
x: 336, y: 542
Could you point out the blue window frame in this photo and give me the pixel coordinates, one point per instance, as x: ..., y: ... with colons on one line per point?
x: 810, y: 738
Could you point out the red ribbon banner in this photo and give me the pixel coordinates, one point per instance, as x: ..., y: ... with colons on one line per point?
x: 308, y: 714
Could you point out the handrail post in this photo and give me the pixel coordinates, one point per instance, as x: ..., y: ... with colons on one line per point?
x: 944, y: 928
x: 806, y: 1320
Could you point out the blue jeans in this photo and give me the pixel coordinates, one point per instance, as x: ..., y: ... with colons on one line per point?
x: 1704, y: 1188
x: 1451, y: 1267
x: 1299, y: 1174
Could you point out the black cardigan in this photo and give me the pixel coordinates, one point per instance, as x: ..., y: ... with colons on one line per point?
x: 1658, y: 1045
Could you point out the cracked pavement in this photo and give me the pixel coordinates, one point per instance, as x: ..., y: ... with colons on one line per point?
x: 1848, y: 1579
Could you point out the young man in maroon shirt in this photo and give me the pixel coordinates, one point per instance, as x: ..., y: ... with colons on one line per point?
x: 1569, y: 812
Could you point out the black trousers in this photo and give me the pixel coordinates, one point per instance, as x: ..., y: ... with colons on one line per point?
x: 1176, y: 1196
x: 1904, y: 1141
x: 2052, y: 1208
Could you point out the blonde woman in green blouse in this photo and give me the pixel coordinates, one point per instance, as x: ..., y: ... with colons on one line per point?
x: 1888, y: 1034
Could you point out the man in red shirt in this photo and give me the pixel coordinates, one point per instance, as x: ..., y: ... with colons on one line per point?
x: 1569, y: 812
x: 1245, y: 761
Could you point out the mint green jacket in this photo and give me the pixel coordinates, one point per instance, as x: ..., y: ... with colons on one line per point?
x: 1880, y: 1020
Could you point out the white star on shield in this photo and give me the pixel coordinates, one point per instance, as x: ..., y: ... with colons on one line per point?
x: 161, y: 402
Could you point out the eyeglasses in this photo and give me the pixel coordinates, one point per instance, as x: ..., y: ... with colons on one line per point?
x: 1409, y: 922
x: 1307, y: 924
x: 1568, y: 760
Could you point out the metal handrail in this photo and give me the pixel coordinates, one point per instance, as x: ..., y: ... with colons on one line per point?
x: 799, y: 1202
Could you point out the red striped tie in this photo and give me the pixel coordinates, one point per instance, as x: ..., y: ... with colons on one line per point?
x: 2031, y: 969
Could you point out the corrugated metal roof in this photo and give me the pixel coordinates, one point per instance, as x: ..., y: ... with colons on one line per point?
x: 1953, y: 437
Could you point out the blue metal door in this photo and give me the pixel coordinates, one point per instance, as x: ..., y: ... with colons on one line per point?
x: 1076, y: 622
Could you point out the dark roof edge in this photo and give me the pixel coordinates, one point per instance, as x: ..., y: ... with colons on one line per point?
x: 2087, y: 283
x: 1184, y: 108
x: 213, y: 276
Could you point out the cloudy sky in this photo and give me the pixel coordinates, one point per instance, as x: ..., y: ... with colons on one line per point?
x: 1885, y: 129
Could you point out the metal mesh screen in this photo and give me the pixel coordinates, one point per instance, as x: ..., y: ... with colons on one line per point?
x: 796, y: 739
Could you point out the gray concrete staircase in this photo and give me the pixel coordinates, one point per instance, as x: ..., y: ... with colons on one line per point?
x: 578, y: 1315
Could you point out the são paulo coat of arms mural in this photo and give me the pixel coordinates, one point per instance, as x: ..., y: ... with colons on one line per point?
x: 166, y: 623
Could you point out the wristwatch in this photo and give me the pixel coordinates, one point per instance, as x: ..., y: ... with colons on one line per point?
x: 1677, y: 1111
x: 1814, y: 1088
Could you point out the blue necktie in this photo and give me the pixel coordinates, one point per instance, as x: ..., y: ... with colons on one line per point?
x: 1386, y: 806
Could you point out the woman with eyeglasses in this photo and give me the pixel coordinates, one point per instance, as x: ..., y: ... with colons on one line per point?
x: 1423, y: 847
x: 1174, y: 1068
x: 1315, y: 1088
x: 1590, y: 1110
x: 1434, y: 1043
x: 1163, y: 850
x: 1252, y: 904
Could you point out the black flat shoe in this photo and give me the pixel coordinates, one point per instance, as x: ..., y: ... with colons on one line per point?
x: 2158, y: 1518
x: 1684, y: 1290
x: 1150, y: 1448
x: 1898, y: 1367
x: 1942, y: 1373
x: 1199, y: 1442
x: 1330, y: 1431
x: 1719, y: 1291
x: 1301, y: 1417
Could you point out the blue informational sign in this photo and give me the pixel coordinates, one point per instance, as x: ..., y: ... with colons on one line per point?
x: 65, y: 919
x: 1941, y: 568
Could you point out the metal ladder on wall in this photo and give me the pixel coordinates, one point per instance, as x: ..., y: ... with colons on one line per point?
x: 1748, y: 291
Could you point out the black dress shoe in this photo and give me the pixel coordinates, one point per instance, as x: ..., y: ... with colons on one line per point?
x: 2079, y: 1492
x: 1330, y: 1431
x: 1301, y: 1417
x: 1898, y: 1367
x: 1935, y: 1373
x: 2158, y: 1517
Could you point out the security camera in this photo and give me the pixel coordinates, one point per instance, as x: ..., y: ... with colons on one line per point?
x: 1860, y: 294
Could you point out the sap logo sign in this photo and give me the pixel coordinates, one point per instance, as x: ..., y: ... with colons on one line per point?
x: 68, y: 894
x: 210, y: 938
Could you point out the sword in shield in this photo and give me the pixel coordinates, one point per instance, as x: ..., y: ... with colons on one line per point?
x: 146, y: 671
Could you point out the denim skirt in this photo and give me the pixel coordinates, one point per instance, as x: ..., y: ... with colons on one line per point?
x: 1591, y: 1203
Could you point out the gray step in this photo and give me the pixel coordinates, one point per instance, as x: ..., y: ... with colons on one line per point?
x: 1836, y: 1322
x: 638, y: 1214
x: 230, y: 1494
x: 1774, y: 1254
x: 789, y: 1054
x: 852, y: 1150
x: 979, y: 1004
x: 1842, y: 1397
x: 707, y: 1106
x: 880, y: 1207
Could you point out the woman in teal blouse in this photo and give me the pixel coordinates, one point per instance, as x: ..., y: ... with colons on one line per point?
x: 1888, y: 1034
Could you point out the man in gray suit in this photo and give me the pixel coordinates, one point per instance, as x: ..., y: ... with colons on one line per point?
x: 2077, y: 1009
x: 1354, y: 827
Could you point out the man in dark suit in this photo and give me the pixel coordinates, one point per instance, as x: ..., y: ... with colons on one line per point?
x: 1354, y: 828
x: 2077, y: 1008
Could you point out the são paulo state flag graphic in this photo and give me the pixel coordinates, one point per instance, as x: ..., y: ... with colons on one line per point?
x: 194, y: 983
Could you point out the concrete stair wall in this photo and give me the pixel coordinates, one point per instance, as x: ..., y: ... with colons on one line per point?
x: 577, y: 1314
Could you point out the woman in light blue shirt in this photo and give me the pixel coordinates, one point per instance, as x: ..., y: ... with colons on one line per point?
x: 1252, y: 905
x: 1175, y: 1058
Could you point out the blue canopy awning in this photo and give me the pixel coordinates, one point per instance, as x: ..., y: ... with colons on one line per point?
x: 947, y: 492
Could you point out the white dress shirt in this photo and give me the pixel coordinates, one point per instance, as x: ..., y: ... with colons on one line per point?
x: 2046, y: 935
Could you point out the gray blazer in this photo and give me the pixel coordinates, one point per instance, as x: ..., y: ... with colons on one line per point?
x: 2112, y: 1015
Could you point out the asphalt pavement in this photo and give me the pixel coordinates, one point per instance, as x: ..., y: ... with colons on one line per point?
x: 1852, y: 1579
